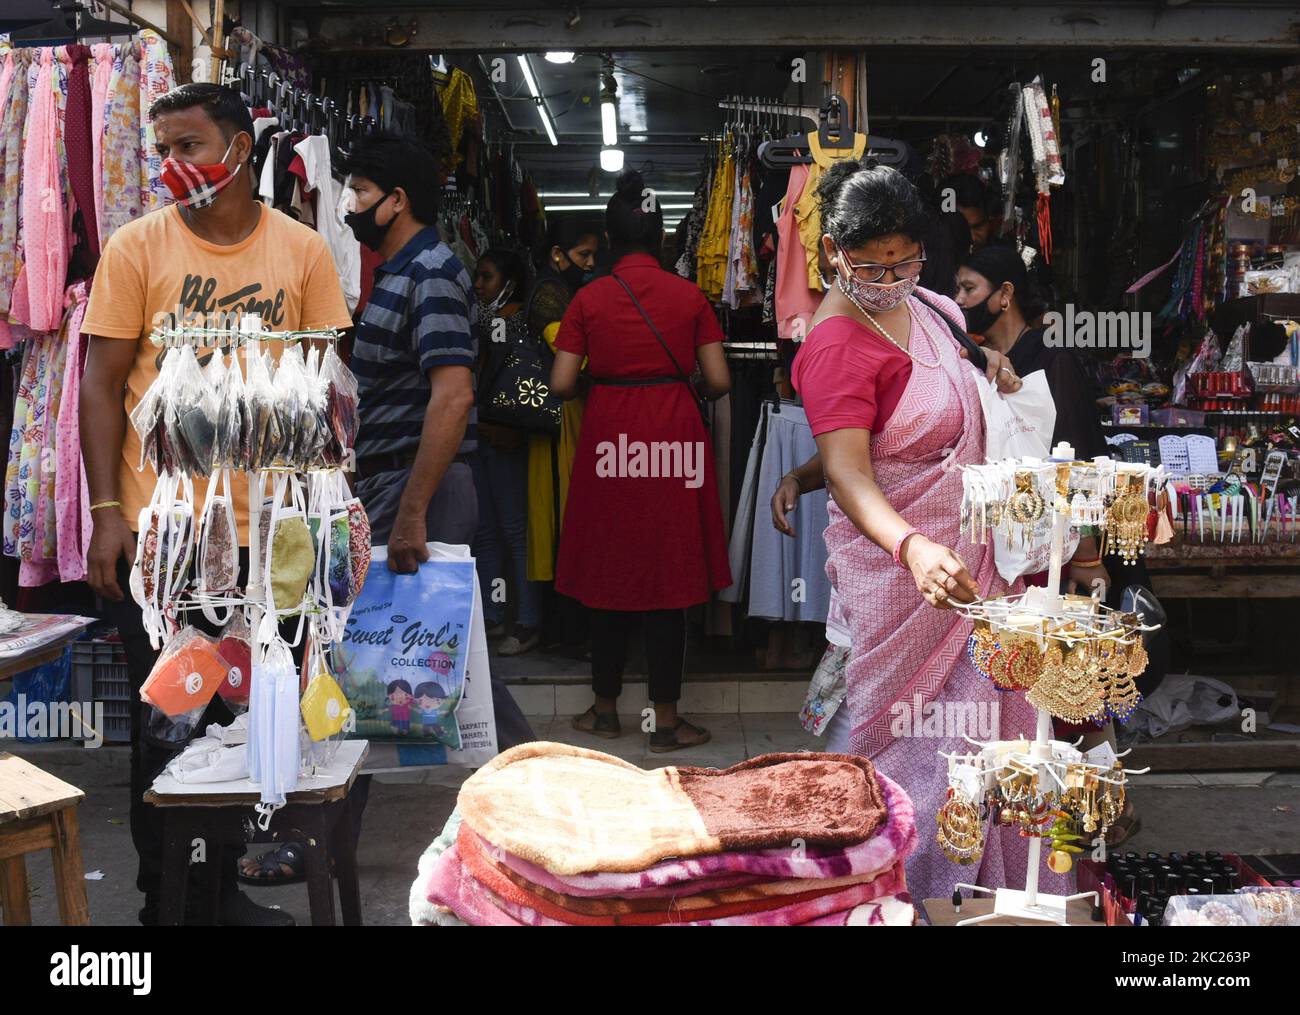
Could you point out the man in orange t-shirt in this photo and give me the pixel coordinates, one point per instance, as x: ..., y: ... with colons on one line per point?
x: 216, y: 252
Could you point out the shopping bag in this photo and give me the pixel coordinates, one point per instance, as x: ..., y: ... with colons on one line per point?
x: 1018, y: 425
x: 403, y: 656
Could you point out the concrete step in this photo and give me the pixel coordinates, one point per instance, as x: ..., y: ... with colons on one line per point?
x: 717, y: 696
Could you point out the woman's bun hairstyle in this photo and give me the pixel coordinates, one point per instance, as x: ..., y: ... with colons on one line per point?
x: 861, y: 200
x: 629, y: 225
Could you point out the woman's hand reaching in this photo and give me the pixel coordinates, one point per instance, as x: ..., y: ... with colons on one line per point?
x: 940, y: 575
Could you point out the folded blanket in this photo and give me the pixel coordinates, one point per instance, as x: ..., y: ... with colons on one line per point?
x: 622, y: 912
x: 892, y: 911
x: 572, y: 810
x: 684, y: 901
x: 892, y: 842
x: 454, y: 886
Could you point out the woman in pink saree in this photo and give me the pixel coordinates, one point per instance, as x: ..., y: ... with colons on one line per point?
x: 895, y: 411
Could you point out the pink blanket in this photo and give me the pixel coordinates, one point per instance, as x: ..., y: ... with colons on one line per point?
x: 452, y: 885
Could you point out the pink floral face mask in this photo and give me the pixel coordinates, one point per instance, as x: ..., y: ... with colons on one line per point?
x: 876, y: 297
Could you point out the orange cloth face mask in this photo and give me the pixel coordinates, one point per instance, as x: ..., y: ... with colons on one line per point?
x: 186, y: 675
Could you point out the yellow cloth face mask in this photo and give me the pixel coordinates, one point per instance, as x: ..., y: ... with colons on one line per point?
x: 325, y: 708
x: 292, y: 559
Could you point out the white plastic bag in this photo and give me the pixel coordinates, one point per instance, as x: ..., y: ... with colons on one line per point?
x: 1018, y: 425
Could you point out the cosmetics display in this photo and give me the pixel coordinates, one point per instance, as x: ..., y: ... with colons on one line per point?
x: 1140, y: 888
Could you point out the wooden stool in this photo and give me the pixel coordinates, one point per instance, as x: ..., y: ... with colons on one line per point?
x: 38, y: 811
x: 218, y: 814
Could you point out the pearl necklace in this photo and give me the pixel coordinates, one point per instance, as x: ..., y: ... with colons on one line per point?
x: 867, y: 313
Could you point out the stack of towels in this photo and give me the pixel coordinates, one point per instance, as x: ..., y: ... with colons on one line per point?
x: 552, y: 835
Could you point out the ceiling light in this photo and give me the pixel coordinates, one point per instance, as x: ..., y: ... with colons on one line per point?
x: 608, y: 122
x: 561, y: 57
x: 611, y: 159
x: 527, y: 68
x: 608, y: 105
x: 542, y: 111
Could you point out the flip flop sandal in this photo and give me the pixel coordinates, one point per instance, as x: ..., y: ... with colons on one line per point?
x: 270, y: 866
x: 600, y: 724
x: 663, y: 741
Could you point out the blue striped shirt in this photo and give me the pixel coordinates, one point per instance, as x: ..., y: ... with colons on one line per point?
x: 420, y: 316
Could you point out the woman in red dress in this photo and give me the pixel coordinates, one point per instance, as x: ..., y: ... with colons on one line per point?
x: 642, y: 538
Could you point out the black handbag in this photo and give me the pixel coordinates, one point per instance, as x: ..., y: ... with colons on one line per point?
x: 517, y: 392
x: 700, y: 402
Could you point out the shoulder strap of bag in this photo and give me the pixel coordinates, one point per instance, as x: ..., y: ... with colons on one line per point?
x: 654, y: 331
x: 975, y: 353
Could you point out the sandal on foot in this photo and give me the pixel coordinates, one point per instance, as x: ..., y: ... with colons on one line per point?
x: 600, y: 724
x: 524, y: 639
x: 672, y: 740
x: 270, y: 867
x: 1127, y: 826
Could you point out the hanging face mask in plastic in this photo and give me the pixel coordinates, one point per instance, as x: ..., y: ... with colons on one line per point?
x: 218, y: 551
x: 290, y: 555
x: 274, y: 757
x: 163, y: 553
x: 325, y: 709
x: 340, y: 562
x: 189, y: 671
x: 236, y: 647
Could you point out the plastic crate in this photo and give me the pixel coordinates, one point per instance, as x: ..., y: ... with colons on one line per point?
x: 99, y: 675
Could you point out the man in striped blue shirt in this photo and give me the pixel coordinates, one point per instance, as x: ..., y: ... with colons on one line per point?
x: 413, y: 358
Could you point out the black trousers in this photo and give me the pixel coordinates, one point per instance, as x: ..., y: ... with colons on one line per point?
x: 665, y: 649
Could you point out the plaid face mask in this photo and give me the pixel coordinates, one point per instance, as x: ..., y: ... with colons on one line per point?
x: 197, y: 186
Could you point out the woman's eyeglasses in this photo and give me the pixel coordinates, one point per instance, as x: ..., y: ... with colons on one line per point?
x: 910, y: 268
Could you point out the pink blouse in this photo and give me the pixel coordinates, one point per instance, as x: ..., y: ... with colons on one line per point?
x: 795, y: 302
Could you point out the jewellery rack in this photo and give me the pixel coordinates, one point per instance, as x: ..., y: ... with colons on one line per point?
x: 1072, y: 620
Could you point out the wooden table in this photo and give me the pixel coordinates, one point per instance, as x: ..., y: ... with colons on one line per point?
x: 38, y: 811
x: 940, y: 913
x: 213, y: 814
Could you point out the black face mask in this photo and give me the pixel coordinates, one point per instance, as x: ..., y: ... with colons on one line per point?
x: 980, y: 318
x: 576, y: 277
x: 364, y: 227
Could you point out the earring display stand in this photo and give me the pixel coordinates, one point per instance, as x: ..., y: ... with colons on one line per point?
x: 1045, y: 609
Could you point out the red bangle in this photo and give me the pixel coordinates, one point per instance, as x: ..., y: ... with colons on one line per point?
x: 898, y: 547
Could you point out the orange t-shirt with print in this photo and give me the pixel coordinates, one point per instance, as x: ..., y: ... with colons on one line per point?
x: 155, y: 270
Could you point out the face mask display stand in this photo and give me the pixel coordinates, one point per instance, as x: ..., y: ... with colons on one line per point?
x: 275, y: 747
x: 1047, y: 616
